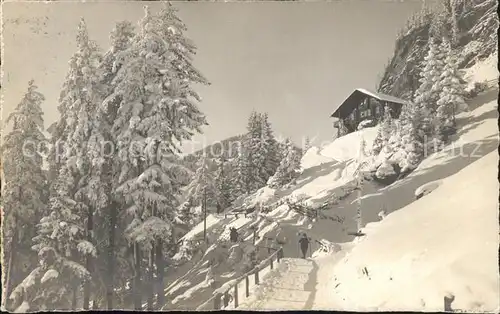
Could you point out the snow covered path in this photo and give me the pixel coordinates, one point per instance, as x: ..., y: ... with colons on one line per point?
x: 304, y: 284
x: 294, y: 290
x: 324, y: 289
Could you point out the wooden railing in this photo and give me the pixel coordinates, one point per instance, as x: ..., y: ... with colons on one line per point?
x: 315, y: 213
x: 221, y: 297
x: 236, y: 214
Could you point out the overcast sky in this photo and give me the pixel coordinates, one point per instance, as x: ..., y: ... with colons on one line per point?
x: 296, y: 61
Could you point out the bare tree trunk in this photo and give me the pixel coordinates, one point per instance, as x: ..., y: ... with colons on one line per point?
x: 88, y: 262
x: 111, y: 256
x: 151, y: 278
x: 74, y: 296
x: 359, y: 221
x: 160, y: 274
x: 10, y: 266
x: 137, y: 278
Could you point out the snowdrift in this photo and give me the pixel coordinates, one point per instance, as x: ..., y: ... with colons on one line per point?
x: 313, y: 158
x: 347, y: 147
x: 445, y: 243
x: 212, y: 220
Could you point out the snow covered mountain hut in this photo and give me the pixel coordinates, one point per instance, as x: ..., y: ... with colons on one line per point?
x: 364, y: 105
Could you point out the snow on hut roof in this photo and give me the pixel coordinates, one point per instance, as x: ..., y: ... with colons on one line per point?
x: 358, y: 95
x: 382, y: 97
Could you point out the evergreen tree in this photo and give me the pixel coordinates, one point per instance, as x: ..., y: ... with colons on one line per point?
x: 451, y: 97
x: 105, y: 168
x: 240, y: 180
x: 378, y: 142
x: 203, y: 185
x: 388, y: 142
x: 256, y: 152
x: 384, y: 132
x: 181, y: 49
x: 62, y: 250
x: 84, y: 98
x: 24, y: 184
x: 307, y: 144
x: 258, y: 158
x: 222, y: 186
x: 362, y: 151
x: 158, y: 110
x: 70, y: 169
x: 121, y: 38
x: 270, y: 147
x: 427, y: 94
x: 288, y: 170
x: 394, y: 142
x: 439, y: 26
x: 412, y: 137
x: 185, y: 214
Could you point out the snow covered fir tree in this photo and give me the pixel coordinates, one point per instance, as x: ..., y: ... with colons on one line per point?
x: 24, y: 194
x: 142, y: 195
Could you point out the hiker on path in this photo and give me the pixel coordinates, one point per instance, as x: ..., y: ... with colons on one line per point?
x: 233, y: 234
x: 304, y: 244
x: 280, y: 239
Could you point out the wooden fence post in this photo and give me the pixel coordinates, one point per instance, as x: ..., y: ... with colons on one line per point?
x: 235, y: 295
x: 247, y: 286
x: 257, y: 277
x: 280, y: 254
x: 226, y: 298
x: 448, y: 299
x: 217, y: 301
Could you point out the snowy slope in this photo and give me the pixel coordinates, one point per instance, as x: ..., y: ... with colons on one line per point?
x: 478, y: 136
x: 407, y: 262
x: 424, y: 236
x: 483, y: 71
x: 313, y: 158
x: 328, y: 172
x: 198, y: 229
x: 347, y: 147
x: 446, y: 242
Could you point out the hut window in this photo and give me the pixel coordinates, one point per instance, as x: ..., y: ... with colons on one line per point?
x: 365, y: 113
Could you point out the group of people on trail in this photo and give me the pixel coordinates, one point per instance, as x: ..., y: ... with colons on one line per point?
x: 304, y: 240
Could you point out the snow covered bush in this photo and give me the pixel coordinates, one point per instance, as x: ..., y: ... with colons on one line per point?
x: 185, y: 252
x: 427, y: 188
x: 386, y: 172
x: 476, y: 89
x: 381, y: 215
x: 52, y: 285
x: 365, y: 124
